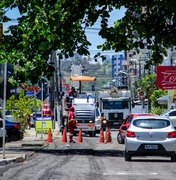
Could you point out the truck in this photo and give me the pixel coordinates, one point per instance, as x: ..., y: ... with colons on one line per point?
x: 85, y: 112
x: 115, y: 109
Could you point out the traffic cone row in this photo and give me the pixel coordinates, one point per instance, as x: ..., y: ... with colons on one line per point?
x: 64, y: 136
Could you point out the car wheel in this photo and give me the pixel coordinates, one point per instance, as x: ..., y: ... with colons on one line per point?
x: 173, y: 157
x: 127, y: 156
x: 119, y: 139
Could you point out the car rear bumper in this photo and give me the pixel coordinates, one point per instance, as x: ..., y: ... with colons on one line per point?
x: 168, y: 145
x: 151, y: 153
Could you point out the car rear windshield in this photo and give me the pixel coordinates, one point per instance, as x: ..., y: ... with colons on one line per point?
x: 151, y: 123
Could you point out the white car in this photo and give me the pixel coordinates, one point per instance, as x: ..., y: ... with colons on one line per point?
x: 172, y: 115
x: 150, y: 136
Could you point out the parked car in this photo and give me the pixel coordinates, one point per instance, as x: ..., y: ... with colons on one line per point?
x: 1, y: 133
x: 126, y: 124
x: 172, y: 115
x: 150, y: 136
x: 13, y: 129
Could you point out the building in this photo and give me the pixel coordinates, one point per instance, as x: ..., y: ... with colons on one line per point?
x: 117, y: 62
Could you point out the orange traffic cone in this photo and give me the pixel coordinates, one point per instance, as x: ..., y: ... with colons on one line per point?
x: 80, y: 139
x: 101, y: 139
x: 108, y: 138
x: 49, y: 139
x: 64, y: 136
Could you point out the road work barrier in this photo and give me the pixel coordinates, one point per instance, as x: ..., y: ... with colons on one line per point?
x: 50, y: 136
x: 64, y: 136
x: 101, y: 139
x: 108, y: 138
x: 80, y: 138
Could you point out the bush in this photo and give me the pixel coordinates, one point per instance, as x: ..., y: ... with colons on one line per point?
x: 158, y: 110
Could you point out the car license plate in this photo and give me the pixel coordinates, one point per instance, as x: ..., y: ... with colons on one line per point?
x: 148, y: 146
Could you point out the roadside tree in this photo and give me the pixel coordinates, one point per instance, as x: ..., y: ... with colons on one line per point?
x: 46, y: 26
x: 21, y: 107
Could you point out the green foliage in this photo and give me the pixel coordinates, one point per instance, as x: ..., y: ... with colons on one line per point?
x: 21, y: 107
x: 50, y: 25
x: 158, y: 110
x: 148, y: 84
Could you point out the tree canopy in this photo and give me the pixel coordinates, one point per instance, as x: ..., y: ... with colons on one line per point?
x: 48, y: 25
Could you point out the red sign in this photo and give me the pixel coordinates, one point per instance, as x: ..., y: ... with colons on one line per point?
x: 33, y: 88
x: 46, y: 110
x: 166, y: 77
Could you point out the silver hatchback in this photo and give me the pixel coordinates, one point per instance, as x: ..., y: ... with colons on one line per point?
x: 150, y: 136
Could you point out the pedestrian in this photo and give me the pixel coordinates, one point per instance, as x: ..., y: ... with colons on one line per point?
x: 29, y: 121
x: 71, y: 123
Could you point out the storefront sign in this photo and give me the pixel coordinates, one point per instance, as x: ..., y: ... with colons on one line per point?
x: 166, y: 77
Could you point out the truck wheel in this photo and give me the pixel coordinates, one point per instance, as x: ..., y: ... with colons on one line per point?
x: 92, y: 134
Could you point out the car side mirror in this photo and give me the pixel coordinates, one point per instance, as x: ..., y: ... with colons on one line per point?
x: 124, y: 128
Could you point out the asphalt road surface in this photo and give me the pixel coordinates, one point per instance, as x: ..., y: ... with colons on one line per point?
x: 104, y: 163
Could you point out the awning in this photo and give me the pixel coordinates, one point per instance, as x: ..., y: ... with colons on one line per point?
x: 83, y: 78
x: 163, y: 100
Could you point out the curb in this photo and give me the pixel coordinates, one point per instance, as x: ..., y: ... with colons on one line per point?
x: 14, y: 158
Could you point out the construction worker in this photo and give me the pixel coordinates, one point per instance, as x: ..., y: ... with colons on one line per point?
x: 71, y: 123
x: 72, y: 93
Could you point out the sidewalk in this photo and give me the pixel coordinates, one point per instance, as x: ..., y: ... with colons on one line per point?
x: 30, y: 139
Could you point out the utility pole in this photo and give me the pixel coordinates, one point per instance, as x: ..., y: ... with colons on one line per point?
x: 60, y: 89
x: 56, y: 92
x: 4, y: 96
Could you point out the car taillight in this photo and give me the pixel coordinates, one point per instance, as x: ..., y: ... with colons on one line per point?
x: 17, y: 126
x: 172, y: 134
x: 130, y: 134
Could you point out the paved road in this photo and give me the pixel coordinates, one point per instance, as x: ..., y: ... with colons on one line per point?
x: 88, y: 160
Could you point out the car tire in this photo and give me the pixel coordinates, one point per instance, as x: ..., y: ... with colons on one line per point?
x: 119, y: 139
x: 173, y: 158
x: 127, y: 156
x: 1, y: 141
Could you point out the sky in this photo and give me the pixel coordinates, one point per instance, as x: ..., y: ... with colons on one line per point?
x: 93, y: 36
x: 92, y: 33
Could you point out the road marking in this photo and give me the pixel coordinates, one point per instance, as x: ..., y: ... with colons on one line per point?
x: 131, y: 173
